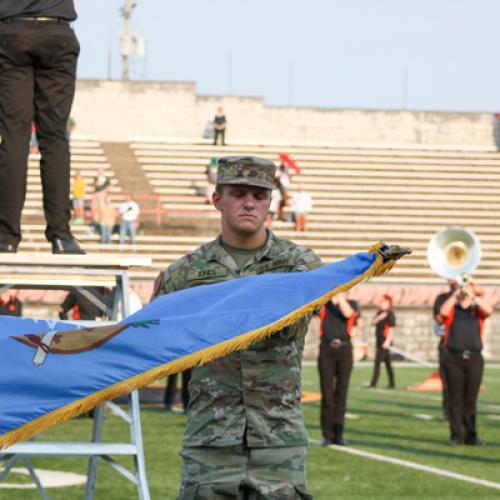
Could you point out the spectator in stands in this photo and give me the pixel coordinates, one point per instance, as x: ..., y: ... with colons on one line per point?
x: 37, y: 83
x: 211, y: 172
x: 273, y: 206
x: 339, y: 319
x: 285, y: 176
x: 301, y: 206
x: 107, y: 220
x: 283, y: 200
x: 129, y: 211
x: 384, y: 323
x: 463, y: 314
x: 101, y: 186
x: 78, y: 199
x: 220, y: 123
x: 171, y: 391
x: 284, y: 180
x: 10, y: 305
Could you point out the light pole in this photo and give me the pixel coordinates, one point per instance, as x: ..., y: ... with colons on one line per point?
x: 126, y: 39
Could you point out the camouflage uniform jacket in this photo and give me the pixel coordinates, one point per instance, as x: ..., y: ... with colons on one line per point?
x: 252, y: 396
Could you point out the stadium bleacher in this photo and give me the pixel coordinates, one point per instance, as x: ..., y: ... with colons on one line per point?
x: 360, y: 196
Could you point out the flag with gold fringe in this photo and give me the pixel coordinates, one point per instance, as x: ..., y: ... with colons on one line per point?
x: 52, y: 371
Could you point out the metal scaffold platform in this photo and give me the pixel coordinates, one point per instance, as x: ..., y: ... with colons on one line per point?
x: 44, y: 271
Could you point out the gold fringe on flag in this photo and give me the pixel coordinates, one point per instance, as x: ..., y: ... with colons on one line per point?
x: 378, y: 268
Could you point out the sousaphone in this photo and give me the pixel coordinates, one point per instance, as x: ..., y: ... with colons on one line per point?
x: 454, y: 253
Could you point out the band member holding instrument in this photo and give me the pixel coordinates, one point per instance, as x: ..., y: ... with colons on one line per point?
x: 463, y: 314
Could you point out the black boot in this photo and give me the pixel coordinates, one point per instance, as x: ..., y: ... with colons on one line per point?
x: 338, y: 431
x: 69, y: 246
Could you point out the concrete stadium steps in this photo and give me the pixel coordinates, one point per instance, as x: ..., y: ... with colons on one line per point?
x: 359, y: 196
x: 340, y: 168
x: 87, y: 157
x: 307, y: 158
x: 163, y: 175
x: 165, y: 249
x: 296, y: 151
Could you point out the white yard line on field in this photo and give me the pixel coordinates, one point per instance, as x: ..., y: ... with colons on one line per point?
x: 412, y: 465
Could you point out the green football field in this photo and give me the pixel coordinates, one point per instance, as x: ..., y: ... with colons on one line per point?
x: 399, y: 424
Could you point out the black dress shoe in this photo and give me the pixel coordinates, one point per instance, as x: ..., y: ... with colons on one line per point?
x: 7, y: 248
x: 474, y: 442
x: 69, y: 246
x: 339, y: 441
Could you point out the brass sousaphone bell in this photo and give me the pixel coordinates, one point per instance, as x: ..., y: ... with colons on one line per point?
x: 454, y: 253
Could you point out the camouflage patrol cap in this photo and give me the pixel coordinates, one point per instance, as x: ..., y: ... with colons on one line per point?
x: 246, y: 171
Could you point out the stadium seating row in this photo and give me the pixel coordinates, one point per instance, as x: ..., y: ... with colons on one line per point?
x: 360, y: 196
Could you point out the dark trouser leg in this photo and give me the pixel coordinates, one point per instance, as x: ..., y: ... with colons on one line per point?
x: 474, y: 375
x: 455, y: 375
x: 54, y: 91
x: 186, y: 377
x: 170, y: 390
x: 223, y: 137
x: 444, y: 382
x: 376, y: 367
x: 388, y: 367
x: 16, y: 115
x: 326, y: 367
x: 343, y: 374
x: 216, y: 135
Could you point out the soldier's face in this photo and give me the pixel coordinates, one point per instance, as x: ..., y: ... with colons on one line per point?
x: 243, y: 208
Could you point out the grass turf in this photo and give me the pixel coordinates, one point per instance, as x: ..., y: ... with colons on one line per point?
x: 387, y: 422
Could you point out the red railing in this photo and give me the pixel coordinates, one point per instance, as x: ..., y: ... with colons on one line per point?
x: 157, y: 209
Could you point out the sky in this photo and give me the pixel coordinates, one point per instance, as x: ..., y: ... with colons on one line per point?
x: 430, y: 55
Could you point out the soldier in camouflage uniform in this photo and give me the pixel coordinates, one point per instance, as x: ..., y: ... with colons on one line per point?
x: 245, y: 435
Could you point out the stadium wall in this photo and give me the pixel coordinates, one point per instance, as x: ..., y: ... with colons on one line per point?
x: 121, y: 111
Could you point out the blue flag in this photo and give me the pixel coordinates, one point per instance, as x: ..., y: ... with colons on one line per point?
x: 52, y: 371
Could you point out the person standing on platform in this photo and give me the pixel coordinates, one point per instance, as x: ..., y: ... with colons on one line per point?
x: 338, y: 320
x: 219, y: 125
x: 463, y: 313
x: 384, y: 323
x: 439, y: 330
x: 245, y: 434
x: 38, y: 55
